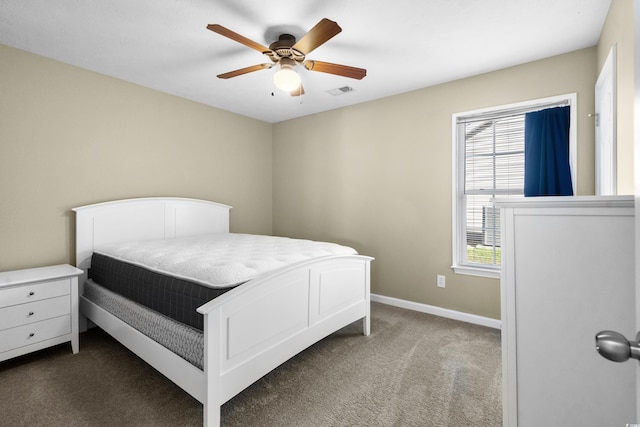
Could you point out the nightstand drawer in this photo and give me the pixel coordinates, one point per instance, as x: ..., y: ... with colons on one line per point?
x: 34, y: 292
x: 30, y: 334
x: 23, y: 314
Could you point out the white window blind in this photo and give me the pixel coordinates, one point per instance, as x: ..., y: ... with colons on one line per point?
x: 494, y: 156
x: 493, y: 165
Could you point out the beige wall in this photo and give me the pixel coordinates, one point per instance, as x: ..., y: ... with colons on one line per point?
x: 618, y: 30
x: 70, y: 137
x: 378, y: 176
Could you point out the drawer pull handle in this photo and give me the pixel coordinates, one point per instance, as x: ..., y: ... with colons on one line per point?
x: 31, y: 293
x: 31, y: 313
x: 31, y: 335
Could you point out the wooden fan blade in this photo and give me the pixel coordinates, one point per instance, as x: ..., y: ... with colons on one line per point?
x: 245, y: 70
x: 337, y: 69
x: 298, y: 92
x: 323, y: 31
x: 237, y: 37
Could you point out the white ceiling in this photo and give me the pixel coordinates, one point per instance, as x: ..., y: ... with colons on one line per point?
x: 403, y: 44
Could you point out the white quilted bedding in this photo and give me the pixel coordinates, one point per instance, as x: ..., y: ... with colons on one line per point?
x: 220, y: 260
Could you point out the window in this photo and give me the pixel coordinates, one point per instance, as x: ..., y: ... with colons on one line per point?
x: 488, y: 153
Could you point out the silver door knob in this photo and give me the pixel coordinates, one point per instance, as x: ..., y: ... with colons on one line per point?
x: 614, y: 346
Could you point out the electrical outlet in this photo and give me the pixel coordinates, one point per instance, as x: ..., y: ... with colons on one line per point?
x: 440, y: 281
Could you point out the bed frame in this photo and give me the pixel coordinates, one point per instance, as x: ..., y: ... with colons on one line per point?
x: 248, y: 331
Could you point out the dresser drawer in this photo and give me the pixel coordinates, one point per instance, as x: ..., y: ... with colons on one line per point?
x: 34, y: 292
x: 34, y: 332
x: 23, y: 314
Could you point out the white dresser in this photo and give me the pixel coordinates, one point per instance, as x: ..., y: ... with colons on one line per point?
x: 567, y: 274
x: 38, y: 309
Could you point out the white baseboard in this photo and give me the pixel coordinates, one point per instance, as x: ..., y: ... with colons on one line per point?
x: 438, y: 311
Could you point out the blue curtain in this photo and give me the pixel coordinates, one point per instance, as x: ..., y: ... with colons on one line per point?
x: 546, y: 153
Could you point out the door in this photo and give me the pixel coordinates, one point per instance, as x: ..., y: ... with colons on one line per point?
x: 636, y: 132
x: 568, y: 272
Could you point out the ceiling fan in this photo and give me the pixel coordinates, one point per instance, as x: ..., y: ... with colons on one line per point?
x: 288, y: 53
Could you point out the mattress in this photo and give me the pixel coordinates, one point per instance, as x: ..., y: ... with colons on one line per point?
x: 220, y: 260
x: 170, y: 296
x: 174, y: 277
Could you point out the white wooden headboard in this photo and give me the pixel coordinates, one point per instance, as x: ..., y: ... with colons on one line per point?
x: 144, y: 219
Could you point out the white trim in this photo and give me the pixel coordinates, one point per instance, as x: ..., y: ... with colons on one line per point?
x: 477, y: 271
x: 438, y: 311
x: 546, y: 202
x: 606, y: 156
x: 636, y: 170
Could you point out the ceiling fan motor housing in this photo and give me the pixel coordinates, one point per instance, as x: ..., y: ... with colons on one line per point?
x: 283, y: 48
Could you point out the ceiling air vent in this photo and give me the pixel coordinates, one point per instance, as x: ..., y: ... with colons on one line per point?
x: 340, y: 90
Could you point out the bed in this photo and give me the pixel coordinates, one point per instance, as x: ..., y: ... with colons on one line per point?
x: 248, y: 330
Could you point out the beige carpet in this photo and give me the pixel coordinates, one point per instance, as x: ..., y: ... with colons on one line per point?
x: 414, y: 370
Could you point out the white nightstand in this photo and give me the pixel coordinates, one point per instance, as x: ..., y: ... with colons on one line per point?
x: 38, y: 309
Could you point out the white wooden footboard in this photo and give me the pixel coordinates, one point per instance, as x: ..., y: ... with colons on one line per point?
x: 254, y: 328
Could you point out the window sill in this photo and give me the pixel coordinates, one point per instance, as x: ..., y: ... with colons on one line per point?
x: 476, y: 271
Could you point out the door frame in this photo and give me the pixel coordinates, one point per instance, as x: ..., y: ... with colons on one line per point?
x: 606, y: 127
x: 636, y: 168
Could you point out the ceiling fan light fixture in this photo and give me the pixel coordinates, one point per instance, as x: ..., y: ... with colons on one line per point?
x: 286, y: 78
x: 289, y: 52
